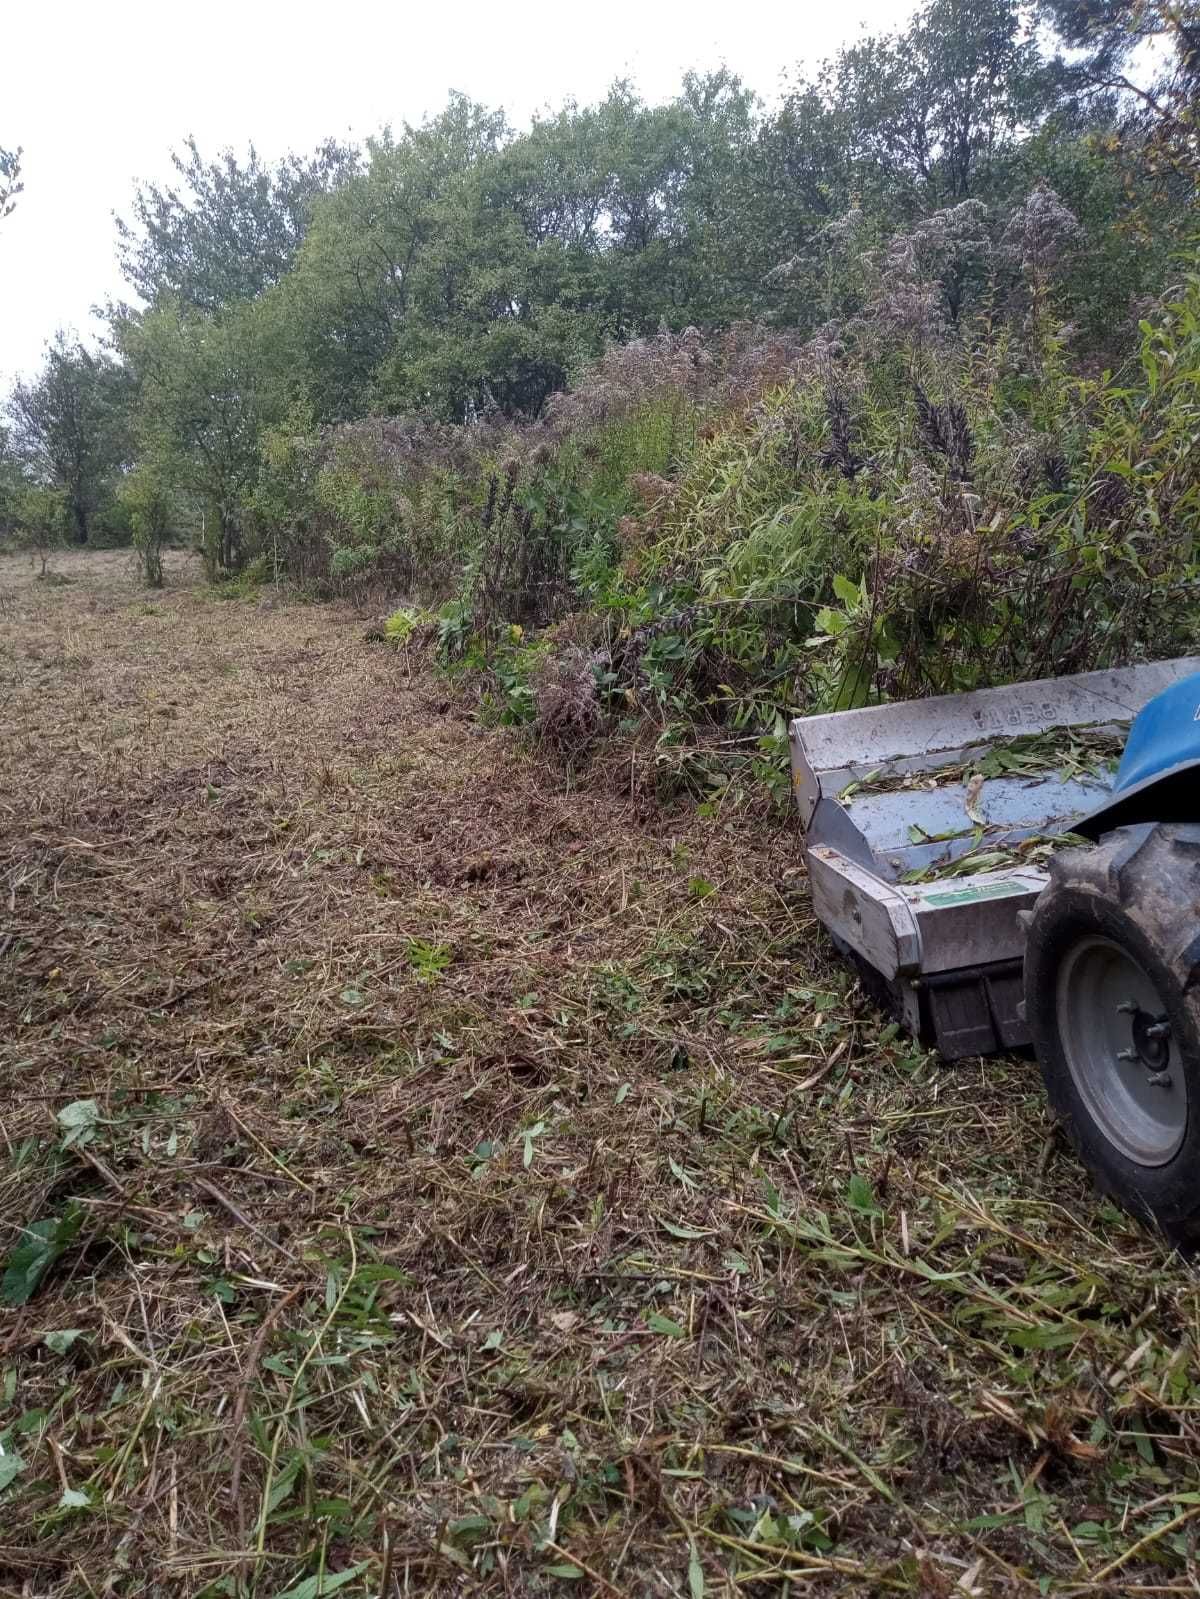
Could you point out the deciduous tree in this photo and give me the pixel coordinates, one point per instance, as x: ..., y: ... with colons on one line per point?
x: 70, y: 427
x: 1146, y: 52
x: 931, y: 111
x: 229, y: 227
x: 209, y: 386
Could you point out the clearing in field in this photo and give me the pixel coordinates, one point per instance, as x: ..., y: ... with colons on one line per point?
x: 428, y: 1171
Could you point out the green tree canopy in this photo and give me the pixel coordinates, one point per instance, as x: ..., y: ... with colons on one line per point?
x: 228, y: 228
x: 208, y: 388
x: 458, y: 269
x: 930, y: 112
x: 414, y: 275
x: 70, y: 427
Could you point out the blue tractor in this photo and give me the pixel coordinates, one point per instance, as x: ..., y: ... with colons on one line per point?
x: 997, y: 886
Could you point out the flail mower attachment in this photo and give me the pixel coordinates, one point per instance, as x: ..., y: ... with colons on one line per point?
x: 930, y: 824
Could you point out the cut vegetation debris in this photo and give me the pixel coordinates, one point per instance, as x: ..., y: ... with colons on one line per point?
x: 1061, y: 752
x: 412, y: 1184
x: 981, y: 857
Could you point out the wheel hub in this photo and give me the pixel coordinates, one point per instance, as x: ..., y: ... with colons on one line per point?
x: 1151, y: 1039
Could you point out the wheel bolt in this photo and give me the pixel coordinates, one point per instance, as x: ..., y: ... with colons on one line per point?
x: 1159, y: 1030
x: 1159, y: 1079
x: 1127, y: 1054
x: 1128, y: 1007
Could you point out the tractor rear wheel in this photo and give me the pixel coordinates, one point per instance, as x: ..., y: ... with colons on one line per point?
x: 1112, y: 996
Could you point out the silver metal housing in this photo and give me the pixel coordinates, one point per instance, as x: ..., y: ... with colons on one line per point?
x: 947, y: 951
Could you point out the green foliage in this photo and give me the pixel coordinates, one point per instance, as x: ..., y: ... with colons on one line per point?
x: 427, y: 960
x: 934, y: 501
x: 401, y: 624
x: 229, y: 229
x: 380, y: 524
x: 848, y: 538
x: 41, y: 519
x: 12, y: 488
x: 462, y: 367
x: 931, y: 112
x: 282, y: 514
x: 467, y: 271
x: 70, y: 429
x: 148, y: 502
x: 40, y: 1245
x: 454, y: 631
x: 209, y: 389
x: 513, y: 667
x: 1105, y: 36
x: 246, y: 583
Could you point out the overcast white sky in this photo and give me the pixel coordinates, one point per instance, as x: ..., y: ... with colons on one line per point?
x: 98, y: 93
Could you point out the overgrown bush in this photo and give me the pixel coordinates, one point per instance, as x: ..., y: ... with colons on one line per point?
x: 42, y: 524
x: 929, y: 496
x: 149, y: 507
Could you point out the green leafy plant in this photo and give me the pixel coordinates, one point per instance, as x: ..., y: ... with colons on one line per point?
x: 427, y: 960
x: 148, y: 503
x: 41, y: 1244
x: 400, y: 625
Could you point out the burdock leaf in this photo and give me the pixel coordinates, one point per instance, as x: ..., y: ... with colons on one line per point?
x: 860, y: 1196
x: 42, y: 1244
x: 61, y: 1339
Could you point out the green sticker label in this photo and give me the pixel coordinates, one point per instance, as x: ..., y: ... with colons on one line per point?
x: 967, y: 896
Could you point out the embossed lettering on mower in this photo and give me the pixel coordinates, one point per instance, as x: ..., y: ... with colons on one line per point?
x: 1088, y: 948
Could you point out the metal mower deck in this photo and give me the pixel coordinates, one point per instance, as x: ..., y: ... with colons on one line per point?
x: 894, y: 819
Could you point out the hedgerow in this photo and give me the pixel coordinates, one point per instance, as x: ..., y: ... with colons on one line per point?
x: 933, y: 494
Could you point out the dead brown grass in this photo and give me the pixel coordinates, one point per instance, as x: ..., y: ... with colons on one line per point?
x: 491, y: 1187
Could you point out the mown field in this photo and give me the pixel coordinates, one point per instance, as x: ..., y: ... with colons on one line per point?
x: 453, y: 1174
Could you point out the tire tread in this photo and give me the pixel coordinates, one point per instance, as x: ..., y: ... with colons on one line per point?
x: 1138, y: 884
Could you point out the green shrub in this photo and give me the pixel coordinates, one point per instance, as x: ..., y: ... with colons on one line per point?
x: 149, y: 506
x: 400, y: 625
x: 42, y: 523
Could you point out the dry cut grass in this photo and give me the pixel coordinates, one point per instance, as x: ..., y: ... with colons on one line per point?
x: 452, y: 1175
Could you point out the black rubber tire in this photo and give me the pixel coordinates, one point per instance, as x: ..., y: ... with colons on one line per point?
x: 1139, y: 887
